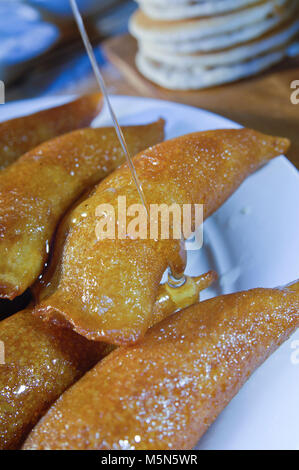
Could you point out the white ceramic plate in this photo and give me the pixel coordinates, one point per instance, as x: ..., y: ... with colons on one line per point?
x: 252, y: 241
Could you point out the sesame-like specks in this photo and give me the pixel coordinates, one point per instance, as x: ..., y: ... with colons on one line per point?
x: 173, y: 385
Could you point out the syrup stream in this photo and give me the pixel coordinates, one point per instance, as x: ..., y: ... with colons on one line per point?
x: 175, y: 277
x: 102, y: 86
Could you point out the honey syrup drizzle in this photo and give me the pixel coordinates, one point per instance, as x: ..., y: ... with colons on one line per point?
x: 175, y: 269
x: 101, y: 83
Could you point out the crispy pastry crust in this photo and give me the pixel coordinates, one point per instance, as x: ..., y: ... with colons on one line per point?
x: 36, y: 191
x: 110, y: 297
x: 165, y: 392
x: 19, y: 135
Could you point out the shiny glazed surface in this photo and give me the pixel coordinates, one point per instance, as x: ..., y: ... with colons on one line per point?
x: 41, y: 361
x: 106, y: 288
x: 36, y: 191
x: 165, y: 392
x: 19, y: 135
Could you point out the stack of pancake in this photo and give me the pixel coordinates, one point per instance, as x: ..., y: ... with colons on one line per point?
x: 192, y: 44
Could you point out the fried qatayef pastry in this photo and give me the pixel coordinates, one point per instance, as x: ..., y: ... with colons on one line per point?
x: 105, y: 288
x: 36, y: 191
x: 19, y: 135
x: 164, y: 393
x: 43, y: 360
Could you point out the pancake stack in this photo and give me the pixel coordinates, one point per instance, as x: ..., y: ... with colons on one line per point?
x: 193, y: 44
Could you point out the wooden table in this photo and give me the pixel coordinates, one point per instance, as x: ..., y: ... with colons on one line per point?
x: 262, y: 103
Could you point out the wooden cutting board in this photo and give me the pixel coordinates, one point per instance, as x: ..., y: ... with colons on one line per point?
x: 262, y: 102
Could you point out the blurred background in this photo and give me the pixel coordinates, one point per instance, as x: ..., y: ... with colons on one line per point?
x: 40, y: 50
x: 41, y: 54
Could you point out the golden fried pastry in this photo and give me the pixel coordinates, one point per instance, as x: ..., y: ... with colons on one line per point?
x: 43, y: 360
x: 20, y: 135
x: 37, y: 189
x: 105, y: 288
x: 165, y: 392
